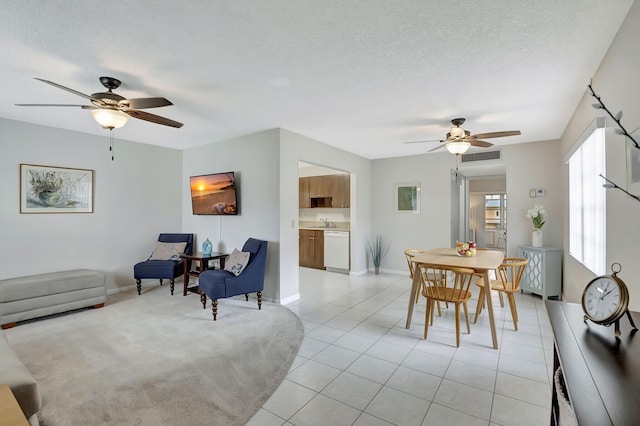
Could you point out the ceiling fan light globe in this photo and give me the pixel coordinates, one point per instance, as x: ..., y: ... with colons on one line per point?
x: 109, y: 118
x: 457, y: 148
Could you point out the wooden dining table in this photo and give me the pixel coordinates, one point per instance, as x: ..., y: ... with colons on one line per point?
x: 482, y: 263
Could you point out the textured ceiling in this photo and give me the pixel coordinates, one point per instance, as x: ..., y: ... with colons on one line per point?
x: 364, y: 76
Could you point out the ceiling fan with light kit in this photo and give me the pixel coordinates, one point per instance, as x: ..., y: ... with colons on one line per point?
x: 112, y: 111
x: 459, y: 140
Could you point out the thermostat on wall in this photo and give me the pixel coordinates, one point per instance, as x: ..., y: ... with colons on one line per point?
x: 537, y: 192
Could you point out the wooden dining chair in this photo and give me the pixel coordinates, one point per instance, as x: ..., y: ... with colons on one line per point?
x: 455, y: 290
x: 409, y: 254
x: 509, y: 274
x: 479, y: 276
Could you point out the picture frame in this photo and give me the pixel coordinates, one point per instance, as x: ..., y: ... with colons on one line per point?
x: 407, y: 197
x: 633, y: 164
x: 49, y: 189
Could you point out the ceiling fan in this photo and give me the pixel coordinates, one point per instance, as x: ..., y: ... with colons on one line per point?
x: 111, y: 110
x: 459, y: 140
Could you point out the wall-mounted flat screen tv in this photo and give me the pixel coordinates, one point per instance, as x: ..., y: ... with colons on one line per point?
x: 214, y: 194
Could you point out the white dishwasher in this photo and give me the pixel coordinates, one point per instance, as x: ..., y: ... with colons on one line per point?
x: 336, y: 249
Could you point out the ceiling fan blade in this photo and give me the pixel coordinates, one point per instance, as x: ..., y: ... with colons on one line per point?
x: 59, y: 86
x: 142, y: 103
x: 497, y: 134
x: 153, y: 118
x: 52, y: 105
x: 437, y: 147
x: 482, y: 144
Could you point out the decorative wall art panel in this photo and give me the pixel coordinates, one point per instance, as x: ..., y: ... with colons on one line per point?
x: 46, y: 189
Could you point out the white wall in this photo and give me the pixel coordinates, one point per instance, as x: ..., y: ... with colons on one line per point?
x: 136, y: 197
x: 616, y: 82
x: 488, y: 185
x: 430, y: 228
x: 255, y: 161
x: 533, y: 165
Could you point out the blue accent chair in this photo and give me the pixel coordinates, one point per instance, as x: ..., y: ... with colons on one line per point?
x: 164, y: 269
x: 220, y: 284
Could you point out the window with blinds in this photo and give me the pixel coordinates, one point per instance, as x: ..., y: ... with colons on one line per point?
x: 587, y: 209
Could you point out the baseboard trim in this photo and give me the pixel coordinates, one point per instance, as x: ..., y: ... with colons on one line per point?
x: 121, y: 289
x: 290, y: 299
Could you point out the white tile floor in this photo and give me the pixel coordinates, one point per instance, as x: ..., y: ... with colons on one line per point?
x: 358, y: 365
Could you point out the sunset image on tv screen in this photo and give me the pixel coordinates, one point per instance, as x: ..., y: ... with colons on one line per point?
x: 214, y: 194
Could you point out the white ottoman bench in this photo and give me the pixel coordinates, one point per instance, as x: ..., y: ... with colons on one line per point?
x: 36, y: 296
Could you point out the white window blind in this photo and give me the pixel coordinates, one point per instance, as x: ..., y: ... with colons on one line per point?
x: 587, y: 200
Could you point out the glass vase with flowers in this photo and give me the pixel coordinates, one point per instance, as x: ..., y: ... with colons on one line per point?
x: 538, y: 216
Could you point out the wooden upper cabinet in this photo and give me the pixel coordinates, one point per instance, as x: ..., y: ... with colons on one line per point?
x: 315, y: 187
x: 304, y: 197
x: 342, y: 197
x: 336, y: 187
x: 329, y: 184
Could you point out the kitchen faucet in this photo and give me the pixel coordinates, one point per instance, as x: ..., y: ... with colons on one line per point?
x: 325, y: 221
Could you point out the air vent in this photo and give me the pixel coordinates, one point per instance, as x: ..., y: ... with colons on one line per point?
x: 481, y: 156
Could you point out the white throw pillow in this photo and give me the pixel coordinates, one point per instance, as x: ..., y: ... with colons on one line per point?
x: 236, y: 262
x: 164, y: 251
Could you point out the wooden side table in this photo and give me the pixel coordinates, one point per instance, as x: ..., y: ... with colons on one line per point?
x: 202, y: 262
x: 10, y: 412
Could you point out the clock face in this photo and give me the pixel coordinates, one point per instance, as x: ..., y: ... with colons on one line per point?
x: 602, y: 300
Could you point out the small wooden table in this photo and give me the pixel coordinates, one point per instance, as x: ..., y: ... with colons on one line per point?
x: 483, y: 262
x: 203, y: 265
x: 10, y: 412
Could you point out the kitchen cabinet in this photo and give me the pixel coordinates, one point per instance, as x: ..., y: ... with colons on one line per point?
x: 311, y: 248
x: 332, y: 191
x: 321, y: 186
x: 543, y: 274
x: 342, y: 193
x: 304, y: 199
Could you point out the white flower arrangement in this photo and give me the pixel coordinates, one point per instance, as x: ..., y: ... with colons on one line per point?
x: 537, y: 214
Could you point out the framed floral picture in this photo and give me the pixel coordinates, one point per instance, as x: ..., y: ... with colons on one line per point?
x: 46, y: 189
x: 407, y: 197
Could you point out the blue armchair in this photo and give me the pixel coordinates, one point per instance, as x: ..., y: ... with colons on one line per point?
x: 220, y: 284
x: 164, y: 269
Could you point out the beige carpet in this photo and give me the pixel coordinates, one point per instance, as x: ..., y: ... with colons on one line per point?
x: 158, y: 359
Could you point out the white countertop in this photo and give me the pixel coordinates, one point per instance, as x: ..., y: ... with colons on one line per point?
x: 319, y: 226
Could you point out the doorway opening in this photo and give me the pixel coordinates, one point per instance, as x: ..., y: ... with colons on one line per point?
x: 480, y: 205
x: 325, y: 217
x: 495, y: 220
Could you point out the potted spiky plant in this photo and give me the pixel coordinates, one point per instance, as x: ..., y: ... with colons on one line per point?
x: 378, y: 248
